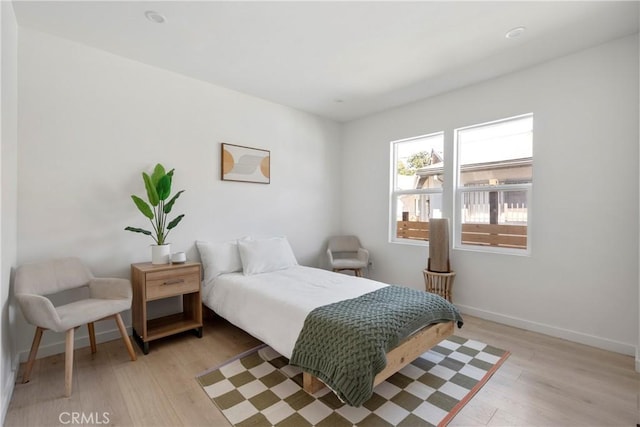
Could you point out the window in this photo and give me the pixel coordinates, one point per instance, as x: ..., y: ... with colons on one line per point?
x: 494, y: 171
x: 416, y: 187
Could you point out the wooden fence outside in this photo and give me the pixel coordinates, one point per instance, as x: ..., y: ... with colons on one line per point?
x: 505, y: 236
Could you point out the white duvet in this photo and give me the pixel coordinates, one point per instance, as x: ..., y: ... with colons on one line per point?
x: 273, y: 306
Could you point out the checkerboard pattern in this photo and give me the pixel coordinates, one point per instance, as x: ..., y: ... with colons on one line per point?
x: 259, y: 388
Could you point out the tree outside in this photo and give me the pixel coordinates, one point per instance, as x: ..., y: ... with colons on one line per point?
x: 414, y: 162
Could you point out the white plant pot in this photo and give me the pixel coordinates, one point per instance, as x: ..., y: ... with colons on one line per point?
x: 160, y: 254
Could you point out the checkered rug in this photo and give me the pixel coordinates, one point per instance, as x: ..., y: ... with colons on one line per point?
x: 259, y: 388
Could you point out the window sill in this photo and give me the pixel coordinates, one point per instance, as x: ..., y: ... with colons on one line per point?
x: 493, y: 250
x: 410, y: 242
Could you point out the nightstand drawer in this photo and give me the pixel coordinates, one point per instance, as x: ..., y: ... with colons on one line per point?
x: 164, y: 284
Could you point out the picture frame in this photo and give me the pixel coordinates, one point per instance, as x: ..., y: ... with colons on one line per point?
x: 245, y: 164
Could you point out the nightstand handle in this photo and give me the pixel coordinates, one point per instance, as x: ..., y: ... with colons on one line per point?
x: 173, y: 282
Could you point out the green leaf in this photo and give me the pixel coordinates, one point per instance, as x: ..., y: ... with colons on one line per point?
x: 163, y: 188
x: 143, y: 207
x: 169, y: 205
x: 170, y: 175
x: 175, y: 221
x: 138, y: 230
x: 158, y: 172
x: 152, y: 194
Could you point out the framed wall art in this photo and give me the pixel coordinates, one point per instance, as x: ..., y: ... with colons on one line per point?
x: 245, y: 164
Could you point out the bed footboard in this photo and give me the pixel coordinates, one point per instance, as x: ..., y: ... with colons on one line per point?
x: 399, y: 357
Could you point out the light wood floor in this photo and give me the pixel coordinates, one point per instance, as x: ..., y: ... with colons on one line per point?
x: 545, y: 382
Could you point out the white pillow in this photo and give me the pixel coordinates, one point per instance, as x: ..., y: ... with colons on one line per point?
x: 265, y: 255
x: 218, y: 258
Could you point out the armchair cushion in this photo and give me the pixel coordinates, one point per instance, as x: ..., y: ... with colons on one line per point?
x: 348, y: 263
x: 86, y: 311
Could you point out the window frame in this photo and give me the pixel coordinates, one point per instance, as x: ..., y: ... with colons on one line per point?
x: 459, y: 192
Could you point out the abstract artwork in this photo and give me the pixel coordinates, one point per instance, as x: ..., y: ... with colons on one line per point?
x: 245, y: 164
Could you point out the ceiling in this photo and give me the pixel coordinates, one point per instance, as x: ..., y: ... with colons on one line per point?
x: 337, y: 59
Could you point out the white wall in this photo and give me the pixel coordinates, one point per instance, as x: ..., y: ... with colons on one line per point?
x: 8, y: 193
x: 90, y: 122
x: 581, y: 281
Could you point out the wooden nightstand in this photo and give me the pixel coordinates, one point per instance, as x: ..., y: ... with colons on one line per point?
x: 154, y: 282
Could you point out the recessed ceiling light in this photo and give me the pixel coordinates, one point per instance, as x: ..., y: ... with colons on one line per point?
x: 514, y: 33
x: 154, y: 17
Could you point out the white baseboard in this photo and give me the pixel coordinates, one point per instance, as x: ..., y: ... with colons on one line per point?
x: 579, y: 337
x: 59, y: 347
x: 7, y: 393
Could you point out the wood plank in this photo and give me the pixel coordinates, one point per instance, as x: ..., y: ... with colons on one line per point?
x: 414, y: 225
x: 414, y: 346
x: 406, y: 232
x: 413, y: 234
x: 494, y: 240
x: 168, y: 325
x: 518, y: 230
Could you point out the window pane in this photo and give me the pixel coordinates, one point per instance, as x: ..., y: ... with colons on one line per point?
x: 506, y: 207
x: 493, y: 161
x: 497, y: 153
x: 494, y: 218
x: 419, y: 162
x: 414, y: 211
x: 418, y: 207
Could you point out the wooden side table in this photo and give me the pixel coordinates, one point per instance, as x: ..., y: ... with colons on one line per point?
x: 153, y: 282
x: 439, y: 283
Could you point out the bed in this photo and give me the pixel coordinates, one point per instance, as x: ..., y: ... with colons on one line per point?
x: 258, y: 286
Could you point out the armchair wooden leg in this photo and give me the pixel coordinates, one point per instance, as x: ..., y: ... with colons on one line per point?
x: 32, y: 355
x: 125, y: 337
x: 92, y: 337
x: 68, y: 363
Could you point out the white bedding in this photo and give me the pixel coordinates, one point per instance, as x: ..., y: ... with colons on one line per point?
x: 273, y: 306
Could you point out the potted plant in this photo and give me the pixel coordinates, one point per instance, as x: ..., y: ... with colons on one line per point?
x: 158, y: 186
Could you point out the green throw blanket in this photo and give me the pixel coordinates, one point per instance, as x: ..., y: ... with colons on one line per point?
x: 345, y: 344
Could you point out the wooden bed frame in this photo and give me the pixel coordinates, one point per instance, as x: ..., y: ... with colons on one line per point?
x: 399, y: 357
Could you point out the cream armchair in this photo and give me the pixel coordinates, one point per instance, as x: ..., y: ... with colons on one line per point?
x: 107, y: 298
x: 346, y: 253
